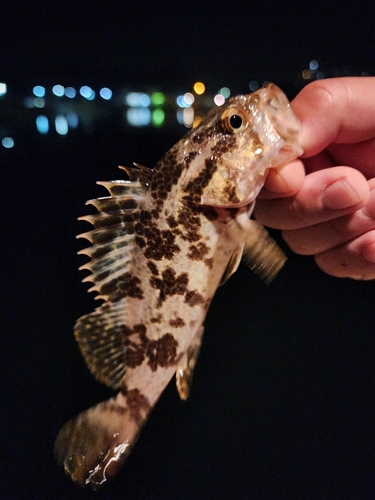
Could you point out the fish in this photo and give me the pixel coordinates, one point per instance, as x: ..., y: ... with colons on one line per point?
x: 162, y: 242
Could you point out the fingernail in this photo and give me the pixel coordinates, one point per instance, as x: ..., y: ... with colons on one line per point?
x: 339, y: 195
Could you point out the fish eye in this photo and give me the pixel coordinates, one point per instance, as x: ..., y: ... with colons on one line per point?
x: 232, y: 120
x: 235, y: 121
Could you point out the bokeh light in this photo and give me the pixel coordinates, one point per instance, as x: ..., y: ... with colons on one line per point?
x: 225, y: 92
x: 219, y: 100
x: 105, y: 93
x: 157, y: 98
x: 87, y: 92
x: 61, y: 125
x: 158, y: 117
x: 58, y: 90
x: 8, y: 142
x: 199, y: 88
x: 70, y: 92
x: 39, y: 91
x: 42, y: 124
x: 138, y: 117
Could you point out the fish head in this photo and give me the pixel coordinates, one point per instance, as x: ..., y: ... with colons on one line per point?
x: 236, y: 145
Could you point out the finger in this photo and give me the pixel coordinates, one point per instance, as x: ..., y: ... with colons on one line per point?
x: 337, y: 110
x: 352, y: 260
x: 321, y: 237
x: 283, y: 181
x: 325, y: 195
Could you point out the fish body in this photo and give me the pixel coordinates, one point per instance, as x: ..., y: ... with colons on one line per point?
x: 163, y: 241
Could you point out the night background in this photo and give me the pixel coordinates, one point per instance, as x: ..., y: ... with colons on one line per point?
x: 282, y: 404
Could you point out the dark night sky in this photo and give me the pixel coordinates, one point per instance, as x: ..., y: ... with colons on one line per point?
x: 180, y: 41
x: 282, y: 404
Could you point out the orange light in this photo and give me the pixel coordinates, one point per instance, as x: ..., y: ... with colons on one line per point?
x: 199, y: 88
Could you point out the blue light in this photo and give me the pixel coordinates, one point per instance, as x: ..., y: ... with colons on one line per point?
x: 180, y: 101
x: 87, y: 93
x: 72, y: 119
x: 42, y: 124
x: 132, y: 99
x: 3, y: 88
x: 39, y: 102
x: 58, y: 90
x: 39, y: 91
x: 7, y: 142
x: 314, y: 65
x: 105, y: 93
x: 70, y: 92
x: 138, y: 117
x: 254, y: 85
x: 144, y: 100
x: 61, y: 125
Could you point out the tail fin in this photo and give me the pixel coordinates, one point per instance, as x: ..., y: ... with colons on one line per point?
x: 93, y: 446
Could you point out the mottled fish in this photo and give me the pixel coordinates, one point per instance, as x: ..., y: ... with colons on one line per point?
x: 163, y: 241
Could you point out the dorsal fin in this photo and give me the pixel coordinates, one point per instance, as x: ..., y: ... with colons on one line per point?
x: 113, y: 236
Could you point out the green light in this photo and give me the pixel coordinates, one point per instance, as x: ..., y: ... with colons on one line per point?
x: 158, y: 117
x: 225, y: 92
x: 158, y: 98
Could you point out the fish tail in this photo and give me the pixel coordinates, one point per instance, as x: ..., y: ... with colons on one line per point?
x: 93, y: 446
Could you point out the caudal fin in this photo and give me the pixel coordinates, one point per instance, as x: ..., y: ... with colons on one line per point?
x: 93, y: 446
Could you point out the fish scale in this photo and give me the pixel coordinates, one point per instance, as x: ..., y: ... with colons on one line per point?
x: 162, y: 243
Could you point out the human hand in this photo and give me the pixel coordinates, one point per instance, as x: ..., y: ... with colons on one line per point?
x: 325, y: 202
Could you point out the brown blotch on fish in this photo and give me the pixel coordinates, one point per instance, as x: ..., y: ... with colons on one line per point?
x: 195, y: 188
x: 169, y: 284
x: 125, y: 285
x: 177, y: 322
x: 209, y: 262
x: 190, y: 157
x: 191, y: 224
x: 162, y: 352
x: 197, y: 252
x: 152, y: 266
x: 193, y: 298
x: 137, y: 404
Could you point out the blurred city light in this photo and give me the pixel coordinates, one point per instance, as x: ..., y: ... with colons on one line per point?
x: 186, y: 100
x: 39, y: 102
x: 225, y: 92
x: 158, y: 117
x: 157, y: 98
x: 180, y: 101
x: 28, y: 102
x: 189, y: 98
x: 70, y: 92
x: 61, y: 125
x: 3, y: 88
x: 306, y: 74
x: 8, y: 142
x: 136, y: 99
x: 138, y: 117
x: 253, y: 85
x: 42, y: 124
x: 39, y: 91
x: 105, y: 93
x: 199, y: 88
x: 87, y: 92
x: 219, y: 100
x: 188, y: 117
x: 314, y: 65
x: 72, y: 119
x: 58, y: 90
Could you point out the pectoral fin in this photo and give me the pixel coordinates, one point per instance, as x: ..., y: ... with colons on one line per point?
x: 185, y: 369
x: 233, y: 264
x: 261, y: 252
